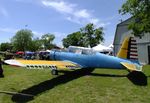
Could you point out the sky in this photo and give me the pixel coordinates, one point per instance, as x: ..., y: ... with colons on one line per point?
x: 59, y: 17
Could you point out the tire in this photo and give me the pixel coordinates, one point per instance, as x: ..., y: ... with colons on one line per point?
x: 54, y: 72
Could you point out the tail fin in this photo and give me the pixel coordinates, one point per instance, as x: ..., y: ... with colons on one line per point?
x: 128, y: 49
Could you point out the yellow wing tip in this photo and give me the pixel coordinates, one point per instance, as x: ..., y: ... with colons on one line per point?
x: 132, y: 67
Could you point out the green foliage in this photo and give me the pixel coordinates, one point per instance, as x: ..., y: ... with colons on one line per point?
x: 87, y: 36
x: 47, y: 40
x: 35, y: 45
x: 74, y: 39
x: 6, y: 47
x: 140, y: 10
x: 22, y: 40
x: 92, y: 35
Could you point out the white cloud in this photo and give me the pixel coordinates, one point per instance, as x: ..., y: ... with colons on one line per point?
x: 94, y: 20
x: 61, y: 6
x: 4, y: 12
x: 82, y: 14
x: 8, y: 30
x: 72, y: 12
x: 14, y: 30
x: 104, y: 24
x: 37, y: 34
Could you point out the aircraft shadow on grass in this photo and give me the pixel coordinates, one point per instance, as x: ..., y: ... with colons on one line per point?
x: 29, y: 93
x: 137, y: 78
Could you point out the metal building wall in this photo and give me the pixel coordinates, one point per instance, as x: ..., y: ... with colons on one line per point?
x: 142, y: 44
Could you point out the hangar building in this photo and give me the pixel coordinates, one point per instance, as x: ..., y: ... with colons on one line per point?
x: 143, y: 43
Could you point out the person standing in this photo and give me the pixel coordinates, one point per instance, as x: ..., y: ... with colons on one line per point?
x: 1, y: 69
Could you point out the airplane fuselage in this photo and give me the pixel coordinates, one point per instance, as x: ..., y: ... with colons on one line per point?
x: 95, y: 60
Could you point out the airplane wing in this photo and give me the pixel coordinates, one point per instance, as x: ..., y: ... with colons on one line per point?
x: 132, y: 67
x: 42, y: 64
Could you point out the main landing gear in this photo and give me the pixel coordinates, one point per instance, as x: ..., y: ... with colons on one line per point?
x: 54, y: 72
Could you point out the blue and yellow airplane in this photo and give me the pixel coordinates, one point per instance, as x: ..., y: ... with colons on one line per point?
x: 126, y: 59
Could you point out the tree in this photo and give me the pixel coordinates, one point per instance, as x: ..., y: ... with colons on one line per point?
x: 87, y: 36
x: 35, y: 45
x: 5, y: 46
x: 140, y: 10
x: 47, y: 40
x: 92, y: 35
x: 22, y: 40
x: 74, y: 39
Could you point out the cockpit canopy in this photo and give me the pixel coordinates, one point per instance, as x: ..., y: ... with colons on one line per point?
x: 81, y: 50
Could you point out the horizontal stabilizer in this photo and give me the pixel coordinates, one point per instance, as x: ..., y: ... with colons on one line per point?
x: 132, y: 67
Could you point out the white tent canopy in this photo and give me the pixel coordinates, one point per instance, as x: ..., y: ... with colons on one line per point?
x: 102, y: 48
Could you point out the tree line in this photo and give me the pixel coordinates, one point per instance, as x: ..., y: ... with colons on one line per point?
x: 24, y: 40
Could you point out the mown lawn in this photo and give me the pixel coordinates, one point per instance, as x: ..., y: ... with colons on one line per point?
x: 101, y: 86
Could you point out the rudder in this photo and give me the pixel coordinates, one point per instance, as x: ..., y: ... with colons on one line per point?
x: 128, y: 49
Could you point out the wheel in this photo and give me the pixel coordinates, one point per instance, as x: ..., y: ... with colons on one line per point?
x: 54, y: 72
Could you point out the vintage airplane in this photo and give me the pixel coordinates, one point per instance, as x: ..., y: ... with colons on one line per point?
x: 126, y: 59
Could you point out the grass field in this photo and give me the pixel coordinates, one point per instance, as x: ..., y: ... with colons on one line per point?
x: 99, y: 86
